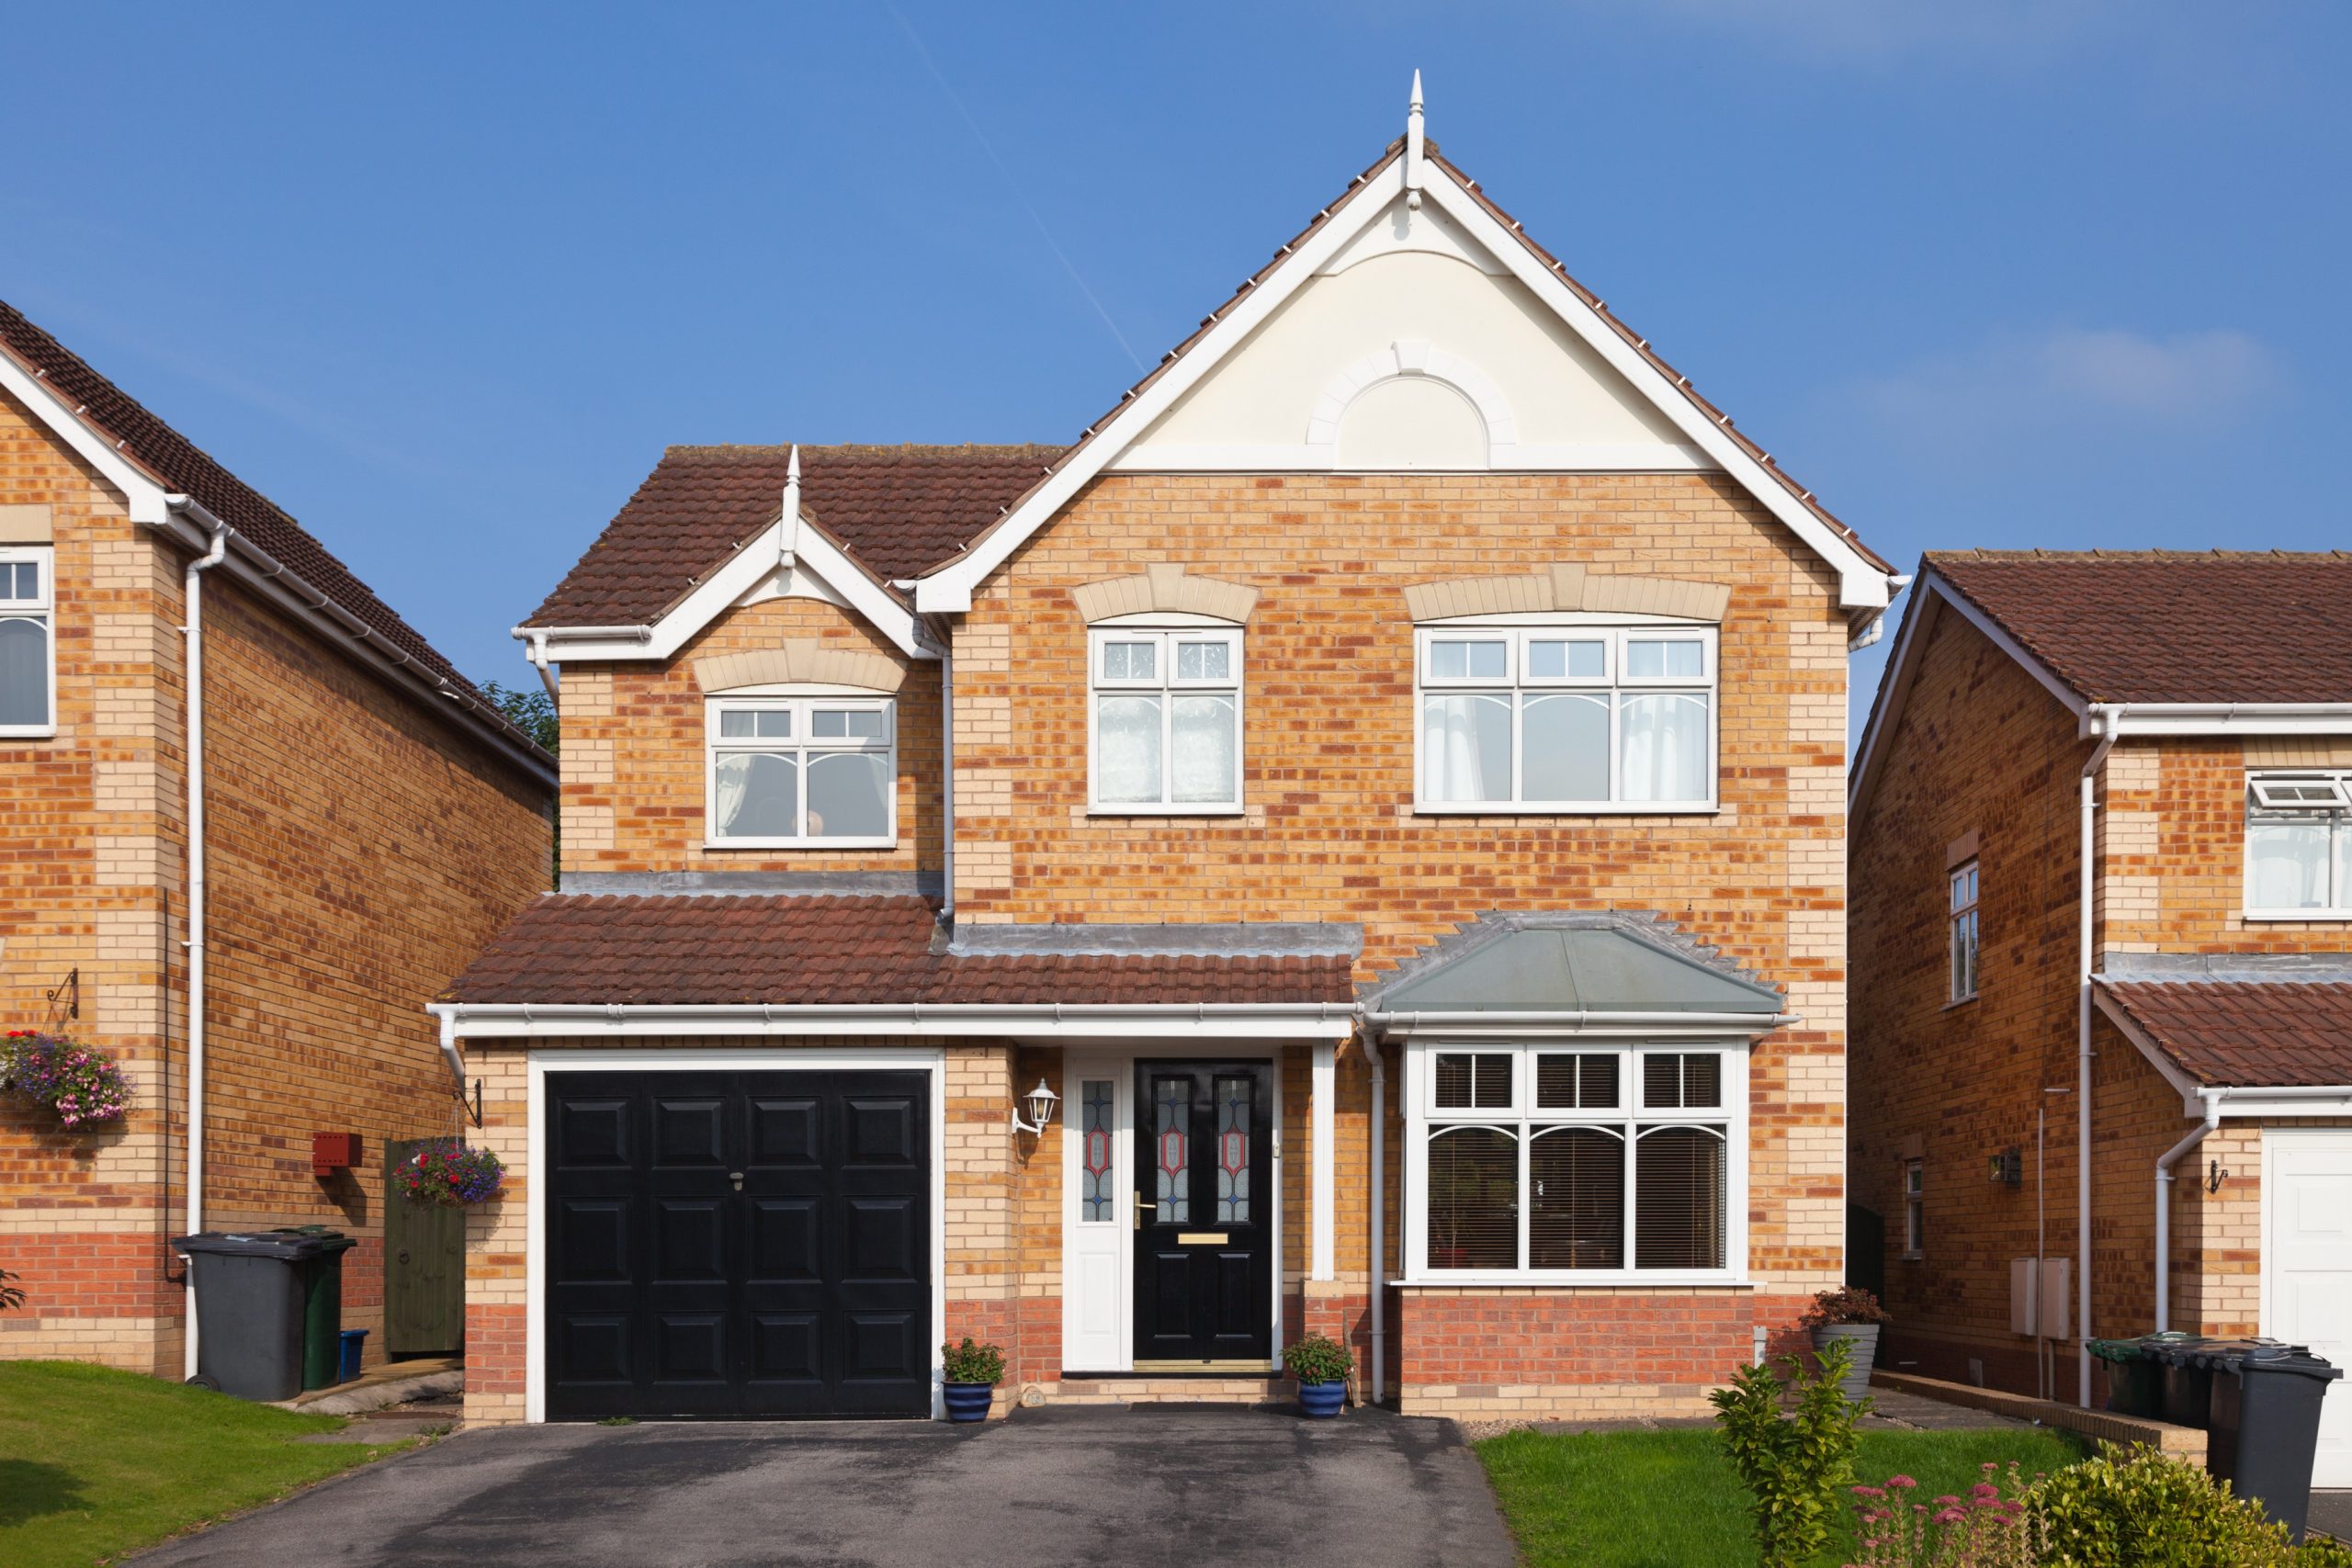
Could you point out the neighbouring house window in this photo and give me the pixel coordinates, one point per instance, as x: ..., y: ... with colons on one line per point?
x: 1582, y: 1162
x: 1097, y: 1182
x: 1567, y: 718
x: 1915, y: 1207
x: 800, y: 771
x: 28, y: 641
x: 2299, y: 844
x: 1166, y: 719
x: 1963, y: 945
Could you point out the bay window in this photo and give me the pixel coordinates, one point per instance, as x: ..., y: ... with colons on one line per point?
x: 795, y: 772
x: 1566, y: 718
x: 2298, y: 845
x: 28, y: 641
x: 1568, y: 1162
x: 1164, y: 719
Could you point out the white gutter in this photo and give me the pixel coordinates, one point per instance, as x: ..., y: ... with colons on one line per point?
x: 1288, y: 1021
x: 581, y: 634
x: 1579, y: 1022
x: 192, y: 666
x: 1376, y: 1270
x: 2165, y: 1162
x: 2103, y: 717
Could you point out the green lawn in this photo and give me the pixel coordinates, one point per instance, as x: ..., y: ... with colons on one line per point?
x: 94, y: 1462
x: 1668, y: 1499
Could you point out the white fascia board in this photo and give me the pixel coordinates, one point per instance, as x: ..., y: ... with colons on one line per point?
x: 1861, y: 586
x: 2231, y: 718
x: 950, y: 590
x: 1583, y: 457
x: 145, y: 492
x: 2246, y: 1104
x: 813, y: 553
x: 522, y: 1021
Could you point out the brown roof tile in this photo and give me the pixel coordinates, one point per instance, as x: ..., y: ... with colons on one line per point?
x: 813, y: 951
x: 897, y: 509
x: 2172, y: 625
x: 185, y: 468
x: 2247, y: 1033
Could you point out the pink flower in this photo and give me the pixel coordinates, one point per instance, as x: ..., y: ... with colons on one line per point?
x: 1901, y: 1482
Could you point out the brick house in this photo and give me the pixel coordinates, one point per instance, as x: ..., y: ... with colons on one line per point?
x: 366, y: 821
x: 2180, y: 725
x: 1354, y: 844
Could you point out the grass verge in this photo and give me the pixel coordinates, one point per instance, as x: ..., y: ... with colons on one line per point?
x: 1667, y: 1499
x: 94, y: 1462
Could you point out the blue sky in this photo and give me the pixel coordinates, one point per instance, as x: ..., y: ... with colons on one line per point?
x: 443, y: 280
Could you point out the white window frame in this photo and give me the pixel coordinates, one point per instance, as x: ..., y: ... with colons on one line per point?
x: 1956, y: 912
x: 1165, y: 632
x: 2268, y: 795
x: 1421, y: 1114
x: 802, y: 701
x: 1614, y: 686
x: 1915, y: 1208
x: 42, y: 608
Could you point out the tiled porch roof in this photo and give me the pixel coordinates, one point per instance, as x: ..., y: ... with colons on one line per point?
x: 2245, y: 1034
x: 803, y: 951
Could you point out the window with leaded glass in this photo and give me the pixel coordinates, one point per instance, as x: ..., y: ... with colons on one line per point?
x: 1233, y: 1132
x: 1171, y: 1149
x: 1097, y: 1190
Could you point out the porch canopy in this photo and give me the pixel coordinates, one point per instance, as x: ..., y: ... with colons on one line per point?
x: 1575, y: 971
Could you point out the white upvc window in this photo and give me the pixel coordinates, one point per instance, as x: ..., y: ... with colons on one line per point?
x: 1565, y: 718
x: 1164, y: 720
x: 1962, y: 944
x: 802, y: 772
x: 2299, y: 846
x: 1577, y: 1162
x: 27, y: 640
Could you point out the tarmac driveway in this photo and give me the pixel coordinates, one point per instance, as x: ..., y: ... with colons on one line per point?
x: 1193, y: 1485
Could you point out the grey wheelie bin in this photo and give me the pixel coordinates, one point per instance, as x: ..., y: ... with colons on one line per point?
x: 2187, y: 1382
x: 250, y: 1290
x: 2264, y: 1422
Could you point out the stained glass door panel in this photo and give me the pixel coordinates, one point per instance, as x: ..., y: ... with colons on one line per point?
x: 1205, y: 1244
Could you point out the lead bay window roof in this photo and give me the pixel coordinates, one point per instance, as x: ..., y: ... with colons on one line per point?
x: 1599, y: 962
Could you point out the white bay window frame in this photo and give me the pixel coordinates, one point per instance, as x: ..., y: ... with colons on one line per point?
x: 1518, y: 683
x: 2316, y: 801
x: 802, y: 703
x: 1629, y: 1118
x: 1168, y: 636
x: 36, y: 608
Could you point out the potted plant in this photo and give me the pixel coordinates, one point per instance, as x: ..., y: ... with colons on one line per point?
x: 969, y: 1374
x: 81, y: 1086
x: 449, y: 1172
x: 1321, y: 1365
x: 1854, y: 1316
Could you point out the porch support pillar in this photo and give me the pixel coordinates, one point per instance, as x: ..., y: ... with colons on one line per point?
x: 1321, y: 1175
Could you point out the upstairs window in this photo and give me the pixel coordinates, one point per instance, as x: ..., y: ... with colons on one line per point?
x: 1962, y: 943
x: 1164, y: 718
x: 1567, y: 718
x: 798, y: 772
x: 28, y: 641
x: 2299, y: 844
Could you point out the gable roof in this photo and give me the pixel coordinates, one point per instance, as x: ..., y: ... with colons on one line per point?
x: 893, y: 510
x: 181, y: 467
x: 1400, y: 171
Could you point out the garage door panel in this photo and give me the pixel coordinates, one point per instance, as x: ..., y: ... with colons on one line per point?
x: 748, y: 1244
x: 2308, y: 1264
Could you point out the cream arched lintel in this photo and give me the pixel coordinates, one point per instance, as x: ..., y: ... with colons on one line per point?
x: 1163, y: 587
x: 801, y: 659
x: 1409, y: 356
x: 1568, y: 587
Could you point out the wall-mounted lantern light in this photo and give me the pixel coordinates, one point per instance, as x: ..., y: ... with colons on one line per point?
x: 1041, y: 1110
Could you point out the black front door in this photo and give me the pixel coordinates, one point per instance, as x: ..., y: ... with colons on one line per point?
x: 739, y: 1243
x: 1205, y: 1212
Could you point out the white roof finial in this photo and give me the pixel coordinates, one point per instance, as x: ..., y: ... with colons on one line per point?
x: 789, y: 536
x: 1413, y: 147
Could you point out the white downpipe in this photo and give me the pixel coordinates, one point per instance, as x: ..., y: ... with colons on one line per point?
x: 536, y: 650
x: 2105, y: 716
x: 946, y: 783
x: 2165, y: 1162
x: 192, y: 599
x: 1376, y: 1270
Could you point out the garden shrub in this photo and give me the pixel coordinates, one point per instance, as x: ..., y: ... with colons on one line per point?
x: 1795, y: 1466
x: 2136, y: 1508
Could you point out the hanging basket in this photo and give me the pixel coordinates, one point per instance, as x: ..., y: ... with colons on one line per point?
x: 451, y: 1173
x: 80, y: 1085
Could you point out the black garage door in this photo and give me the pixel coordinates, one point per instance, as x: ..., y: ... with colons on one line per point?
x: 739, y: 1243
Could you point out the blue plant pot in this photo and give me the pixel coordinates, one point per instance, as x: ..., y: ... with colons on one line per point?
x: 1321, y: 1401
x: 968, y: 1401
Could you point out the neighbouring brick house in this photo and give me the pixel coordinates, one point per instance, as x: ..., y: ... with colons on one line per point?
x: 2182, y: 725
x: 1354, y: 844
x: 368, y: 822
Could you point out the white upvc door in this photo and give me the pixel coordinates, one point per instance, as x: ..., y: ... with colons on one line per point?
x: 2307, y: 1268
x: 1098, y: 1214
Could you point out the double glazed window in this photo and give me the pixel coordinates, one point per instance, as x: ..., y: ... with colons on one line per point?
x: 2299, y: 844
x: 1567, y: 718
x: 1961, y: 948
x: 28, y: 641
x: 789, y: 772
x: 1166, y: 719
x: 1577, y: 1160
